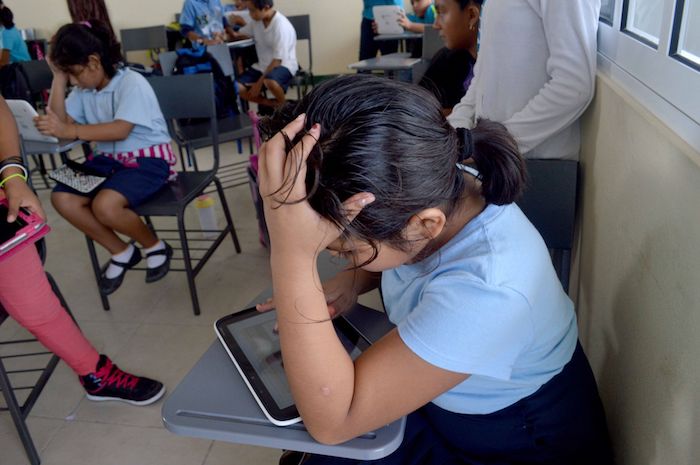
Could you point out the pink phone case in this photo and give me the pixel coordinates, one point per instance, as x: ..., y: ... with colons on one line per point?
x: 35, y: 229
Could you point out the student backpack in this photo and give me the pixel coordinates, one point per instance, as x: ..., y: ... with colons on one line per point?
x: 198, y: 60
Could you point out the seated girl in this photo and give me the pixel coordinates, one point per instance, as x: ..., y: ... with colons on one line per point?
x: 26, y: 295
x: 118, y: 110
x: 485, y: 359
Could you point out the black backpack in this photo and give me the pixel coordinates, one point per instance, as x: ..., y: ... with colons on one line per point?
x: 14, y: 83
x: 198, y: 60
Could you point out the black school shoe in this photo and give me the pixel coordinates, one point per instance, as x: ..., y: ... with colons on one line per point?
x: 109, y: 382
x: 159, y: 272
x: 109, y: 285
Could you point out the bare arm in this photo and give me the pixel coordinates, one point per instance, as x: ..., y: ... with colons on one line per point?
x: 16, y: 190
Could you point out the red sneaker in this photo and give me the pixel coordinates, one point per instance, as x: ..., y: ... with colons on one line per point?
x: 109, y: 382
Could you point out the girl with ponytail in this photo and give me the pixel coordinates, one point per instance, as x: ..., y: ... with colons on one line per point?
x: 117, y: 110
x: 484, y: 359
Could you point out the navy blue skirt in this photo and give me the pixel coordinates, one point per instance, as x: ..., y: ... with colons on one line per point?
x: 563, y: 423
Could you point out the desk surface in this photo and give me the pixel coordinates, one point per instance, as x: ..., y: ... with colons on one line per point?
x: 241, y: 43
x: 213, y: 402
x: 402, y: 36
x: 392, y: 62
x: 37, y: 148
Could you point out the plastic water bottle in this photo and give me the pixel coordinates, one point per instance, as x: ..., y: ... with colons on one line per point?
x: 207, y: 216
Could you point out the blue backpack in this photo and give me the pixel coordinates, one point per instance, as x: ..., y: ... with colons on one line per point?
x: 198, y: 60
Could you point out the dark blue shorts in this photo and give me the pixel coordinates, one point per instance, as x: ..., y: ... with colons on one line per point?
x: 137, y: 183
x: 281, y: 75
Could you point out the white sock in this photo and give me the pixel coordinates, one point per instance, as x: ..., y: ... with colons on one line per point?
x: 113, y: 270
x: 155, y: 260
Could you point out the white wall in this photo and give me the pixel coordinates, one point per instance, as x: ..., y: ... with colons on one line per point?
x: 639, y: 281
x: 335, y: 24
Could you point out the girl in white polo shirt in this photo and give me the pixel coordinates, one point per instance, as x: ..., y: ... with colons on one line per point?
x: 118, y: 111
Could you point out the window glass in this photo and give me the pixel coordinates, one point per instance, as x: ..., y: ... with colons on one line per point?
x: 607, y: 10
x: 643, y: 19
x: 689, y: 34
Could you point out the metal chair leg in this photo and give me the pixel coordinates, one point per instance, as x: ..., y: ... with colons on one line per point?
x: 97, y: 270
x: 189, y: 271
x: 18, y: 417
x: 227, y: 214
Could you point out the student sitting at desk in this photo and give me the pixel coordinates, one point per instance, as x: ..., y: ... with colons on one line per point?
x: 368, y: 46
x: 118, y: 110
x: 424, y: 13
x: 276, y: 46
x: 452, y: 68
x: 203, y: 21
x: 485, y: 359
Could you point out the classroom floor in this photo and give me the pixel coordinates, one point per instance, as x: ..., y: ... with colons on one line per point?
x: 150, y: 330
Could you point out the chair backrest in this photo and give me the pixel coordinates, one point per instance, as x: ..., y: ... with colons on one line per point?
x: 167, y: 62
x: 185, y: 97
x: 432, y: 42
x: 222, y: 56
x: 549, y: 202
x: 144, y: 38
x: 302, y: 26
x: 38, y: 74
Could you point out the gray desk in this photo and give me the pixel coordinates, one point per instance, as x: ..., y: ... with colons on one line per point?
x: 213, y: 402
x: 394, y: 65
x: 402, y: 38
x: 34, y: 149
x: 240, y: 43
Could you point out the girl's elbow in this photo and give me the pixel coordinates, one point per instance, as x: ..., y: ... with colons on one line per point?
x: 326, y: 436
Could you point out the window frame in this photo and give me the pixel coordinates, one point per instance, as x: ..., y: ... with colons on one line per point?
x: 657, y: 77
x: 674, y: 48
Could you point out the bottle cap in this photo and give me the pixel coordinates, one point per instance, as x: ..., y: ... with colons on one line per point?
x: 204, y: 201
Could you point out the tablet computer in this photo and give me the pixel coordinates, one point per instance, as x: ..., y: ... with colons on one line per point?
x: 24, y: 115
x: 27, y: 228
x: 254, y: 348
x: 387, y: 19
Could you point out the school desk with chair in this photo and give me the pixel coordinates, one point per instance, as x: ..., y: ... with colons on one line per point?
x: 213, y: 401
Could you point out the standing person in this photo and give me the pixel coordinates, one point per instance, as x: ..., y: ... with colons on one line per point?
x: 117, y: 109
x: 535, y: 73
x: 26, y: 295
x: 204, y: 21
x: 485, y: 359
x: 451, y: 70
x: 368, y: 46
x: 12, y: 39
x: 276, y: 47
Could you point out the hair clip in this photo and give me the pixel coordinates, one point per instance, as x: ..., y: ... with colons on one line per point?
x: 468, y: 169
x: 86, y: 24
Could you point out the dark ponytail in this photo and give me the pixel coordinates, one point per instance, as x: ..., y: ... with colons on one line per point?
x: 494, y: 153
x: 74, y: 43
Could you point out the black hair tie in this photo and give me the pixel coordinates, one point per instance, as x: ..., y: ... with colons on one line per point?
x: 465, y: 137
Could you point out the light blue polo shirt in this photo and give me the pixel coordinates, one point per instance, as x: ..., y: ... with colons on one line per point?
x: 205, y: 17
x: 128, y: 97
x: 428, y: 17
x: 12, y: 41
x: 488, y: 303
x: 369, y: 4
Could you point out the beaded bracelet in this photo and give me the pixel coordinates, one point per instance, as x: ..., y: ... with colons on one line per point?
x: 20, y: 166
x: 16, y: 175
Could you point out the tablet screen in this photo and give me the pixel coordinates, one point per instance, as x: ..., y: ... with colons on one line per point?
x: 255, y: 348
x: 8, y: 230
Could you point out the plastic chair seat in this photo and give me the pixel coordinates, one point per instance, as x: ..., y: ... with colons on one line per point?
x: 177, y: 194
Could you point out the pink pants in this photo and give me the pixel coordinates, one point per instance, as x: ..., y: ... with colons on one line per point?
x: 26, y: 295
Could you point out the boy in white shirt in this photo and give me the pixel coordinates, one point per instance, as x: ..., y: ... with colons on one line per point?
x: 275, y: 44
